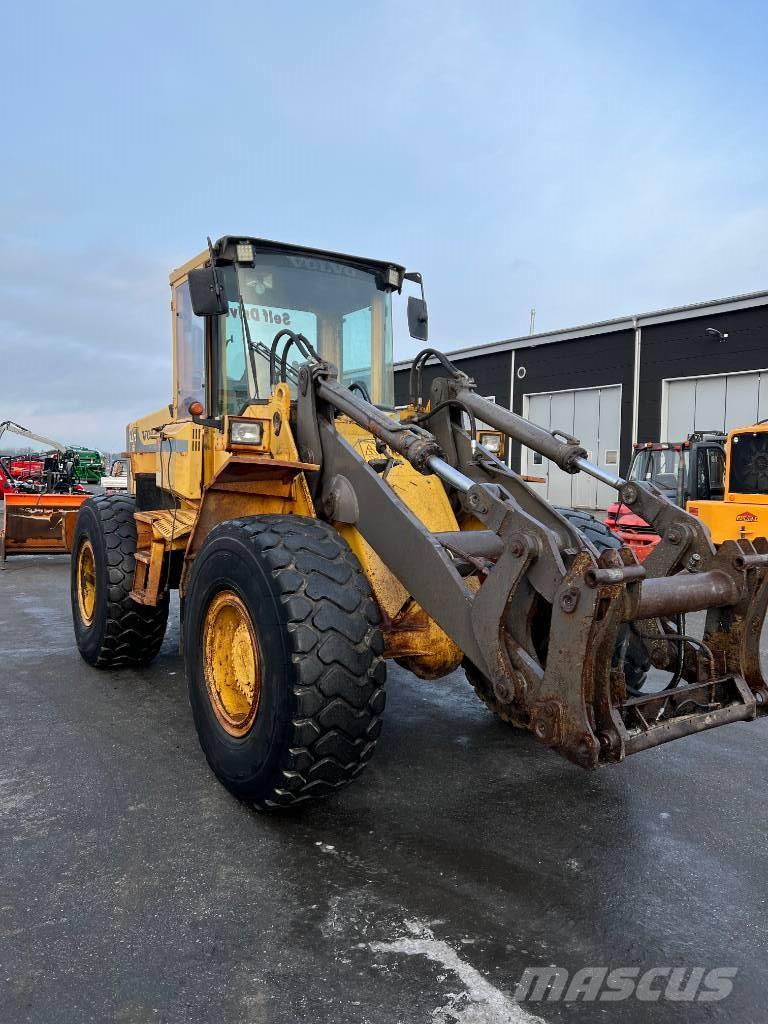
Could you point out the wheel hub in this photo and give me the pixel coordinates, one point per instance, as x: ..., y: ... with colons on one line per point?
x: 86, y: 582
x: 231, y: 663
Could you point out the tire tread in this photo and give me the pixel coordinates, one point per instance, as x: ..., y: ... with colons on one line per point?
x: 333, y: 636
x: 133, y: 633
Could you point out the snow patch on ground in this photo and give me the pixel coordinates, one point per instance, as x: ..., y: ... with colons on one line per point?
x: 479, y: 1002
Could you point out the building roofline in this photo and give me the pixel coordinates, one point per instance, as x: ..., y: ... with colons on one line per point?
x: 659, y: 316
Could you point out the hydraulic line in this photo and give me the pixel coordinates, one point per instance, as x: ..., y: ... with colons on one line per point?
x: 457, y: 402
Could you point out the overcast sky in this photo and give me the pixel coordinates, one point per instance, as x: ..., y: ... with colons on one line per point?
x: 589, y: 159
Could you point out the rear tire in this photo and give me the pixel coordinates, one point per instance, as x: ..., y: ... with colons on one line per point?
x: 111, y: 629
x: 597, y: 533
x: 630, y: 653
x: 630, y: 650
x: 286, y: 682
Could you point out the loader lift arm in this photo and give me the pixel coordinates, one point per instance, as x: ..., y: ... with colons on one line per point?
x: 535, y: 566
x: 15, y: 428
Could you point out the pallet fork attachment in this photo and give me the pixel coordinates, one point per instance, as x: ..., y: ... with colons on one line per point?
x: 546, y: 621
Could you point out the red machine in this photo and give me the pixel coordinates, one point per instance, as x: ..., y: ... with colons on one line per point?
x: 40, y: 503
x: 690, y: 470
x: 7, y: 485
x: 27, y: 469
x: 634, y: 531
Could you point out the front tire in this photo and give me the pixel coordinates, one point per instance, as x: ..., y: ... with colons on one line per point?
x: 283, y: 654
x: 111, y: 629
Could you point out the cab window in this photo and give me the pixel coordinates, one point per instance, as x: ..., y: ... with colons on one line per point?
x: 716, y: 473
x: 243, y: 371
x: 710, y: 464
x: 190, y: 352
x: 343, y: 311
x: 356, y: 347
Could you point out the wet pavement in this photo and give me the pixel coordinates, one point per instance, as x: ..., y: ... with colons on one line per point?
x: 134, y: 888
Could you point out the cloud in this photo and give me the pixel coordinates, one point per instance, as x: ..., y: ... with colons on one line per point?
x: 84, y: 341
x: 589, y: 160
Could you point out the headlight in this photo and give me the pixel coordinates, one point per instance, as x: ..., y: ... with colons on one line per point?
x: 246, y: 432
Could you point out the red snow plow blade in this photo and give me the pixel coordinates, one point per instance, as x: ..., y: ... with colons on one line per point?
x: 39, y: 524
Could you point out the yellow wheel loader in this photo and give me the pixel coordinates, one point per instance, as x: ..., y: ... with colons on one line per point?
x: 743, y: 510
x: 314, y: 532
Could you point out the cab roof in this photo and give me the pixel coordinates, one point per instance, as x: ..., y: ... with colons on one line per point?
x: 224, y: 248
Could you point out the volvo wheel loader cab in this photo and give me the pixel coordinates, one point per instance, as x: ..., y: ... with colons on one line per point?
x: 313, y: 533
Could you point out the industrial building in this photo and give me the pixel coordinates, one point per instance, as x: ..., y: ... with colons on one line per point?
x: 647, y: 377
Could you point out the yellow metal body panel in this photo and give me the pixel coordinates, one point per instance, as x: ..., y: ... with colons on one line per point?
x: 144, y: 443
x: 424, y: 495
x: 277, y: 442
x: 214, y: 480
x: 410, y: 635
x: 252, y: 480
x: 171, y: 449
x: 390, y: 594
x: 737, y: 516
x: 732, y: 520
x: 180, y: 462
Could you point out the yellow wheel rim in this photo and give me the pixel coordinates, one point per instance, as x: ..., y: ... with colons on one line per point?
x: 231, y: 663
x: 86, y: 582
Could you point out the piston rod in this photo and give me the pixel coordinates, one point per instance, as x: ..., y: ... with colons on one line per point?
x: 449, y: 475
x: 611, y: 479
x: 567, y: 453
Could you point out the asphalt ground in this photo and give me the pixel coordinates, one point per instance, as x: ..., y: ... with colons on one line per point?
x: 134, y: 888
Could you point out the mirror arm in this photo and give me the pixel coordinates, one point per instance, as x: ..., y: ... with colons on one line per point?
x: 417, y: 309
x: 415, y: 276
x: 209, y: 421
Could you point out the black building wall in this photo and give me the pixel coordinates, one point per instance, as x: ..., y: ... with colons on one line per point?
x: 492, y: 373
x: 676, y: 348
x: 682, y: 348
x: 594, y: 361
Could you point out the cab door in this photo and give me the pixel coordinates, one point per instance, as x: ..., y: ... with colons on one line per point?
x: 181, y: 442
x: 188, y: 353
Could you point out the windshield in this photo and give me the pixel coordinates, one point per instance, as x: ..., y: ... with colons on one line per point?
x: 658, y: 467
x: 749, y: 463
x: 340, y: 309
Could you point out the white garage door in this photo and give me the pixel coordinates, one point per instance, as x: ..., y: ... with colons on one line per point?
x: 594, y: 416
x: 712, y: 403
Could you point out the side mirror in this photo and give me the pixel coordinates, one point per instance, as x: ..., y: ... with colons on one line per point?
x: 206, y: 291
x: 418, y: 321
